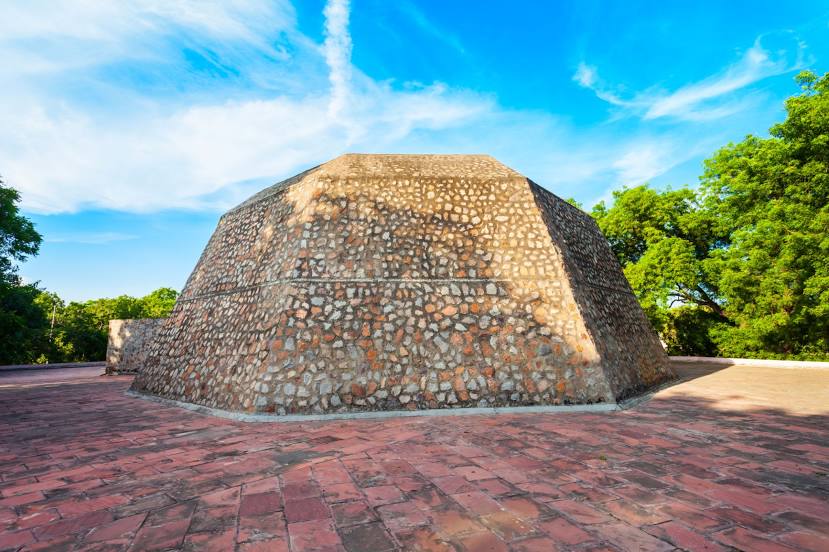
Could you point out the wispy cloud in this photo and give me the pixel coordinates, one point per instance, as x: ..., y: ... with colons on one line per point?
x: 708, y: 99
x: 428, y: 27
x: 337, y: 48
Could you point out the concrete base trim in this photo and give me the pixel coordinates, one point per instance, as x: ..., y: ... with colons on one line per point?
x: 55, y: 366
x: 765, y: 363
x: 277, y: 418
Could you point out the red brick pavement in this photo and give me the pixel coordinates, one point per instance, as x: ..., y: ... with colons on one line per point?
x: 84, y: 467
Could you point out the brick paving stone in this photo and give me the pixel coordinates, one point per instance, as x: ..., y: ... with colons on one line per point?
x: 580, y: 512
x: 12, y: 540
x: 118, y: 529
x: 267, y: 527
x: 424, y: 540
x: 634, y: 514
x: 536, y: 544
x: 259, y: 504
x: 526, y: 508
x: 210, y: 541
x: 477, y: 502
x: 72, y: 526
x: 744, y: 539
x: 507, y: 526
x: 806, y: 540
x: 473, y: 473
x: 305, y: 509
x: 683, y: 537
x: 124, y: 473
x: 270, y: 545
x: 352, y: 513
x: 627, y: 537
x: 800, y: 520
x: 314, y: 536
x: 369, y: 536
x: 450, y: 523
x: 161, y: 537
x: 38, y: 518
x: 482, y: 542
x: 564, y: 531
x: 385, y: 494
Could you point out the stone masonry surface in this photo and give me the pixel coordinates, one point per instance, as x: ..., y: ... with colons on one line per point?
x: 129, y: 342
x: 381, y: 282
x: 739, y: 463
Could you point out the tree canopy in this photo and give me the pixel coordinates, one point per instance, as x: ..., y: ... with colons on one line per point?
x: 18, y: 237
x: 740, y: 265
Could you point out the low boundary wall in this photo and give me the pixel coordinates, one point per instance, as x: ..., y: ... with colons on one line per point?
x: 129, y: 342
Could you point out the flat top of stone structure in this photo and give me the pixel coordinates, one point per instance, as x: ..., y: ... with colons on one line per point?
x: 426, y: 165
x: 464, y: 167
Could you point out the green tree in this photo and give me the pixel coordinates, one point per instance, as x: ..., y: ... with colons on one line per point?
x: 665, y: 242
x: 159, y: 303
x: 742, y: 263
x: 772, y: 195
x: 21, y: 320
x: 83, y: 328
x: 18, y: 237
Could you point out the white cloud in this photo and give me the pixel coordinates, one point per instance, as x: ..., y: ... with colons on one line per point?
x: 585, y: 75
x: 100, y: 110
x: 64, y: 156
x: 337, y: 48
x: 709, y: 99
x: 643, y: 161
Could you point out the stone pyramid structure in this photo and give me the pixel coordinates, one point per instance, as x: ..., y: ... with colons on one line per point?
x: 387, y: 282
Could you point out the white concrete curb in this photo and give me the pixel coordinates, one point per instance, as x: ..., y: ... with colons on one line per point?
x: 55, y: 366
x: 790, y: 364
x: 277, y: 418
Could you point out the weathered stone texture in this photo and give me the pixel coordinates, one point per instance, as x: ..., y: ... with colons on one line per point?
x: 129, y: 343
x: 404, y: 281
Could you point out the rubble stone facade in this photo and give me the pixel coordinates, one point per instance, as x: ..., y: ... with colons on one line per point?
x: 383, y: 282
x: 129, y: 343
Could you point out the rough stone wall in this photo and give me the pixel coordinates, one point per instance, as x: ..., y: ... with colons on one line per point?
x: 129, y: 343
x: 629, y: 349
x: 382, y: 282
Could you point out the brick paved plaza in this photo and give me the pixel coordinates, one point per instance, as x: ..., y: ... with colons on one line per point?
x: 734, y: 460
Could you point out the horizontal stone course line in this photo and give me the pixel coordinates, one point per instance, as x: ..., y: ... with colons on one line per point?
x: 609, y: 288
x: 381, y: 281
x: 360, y: 281
x: 470, y: 411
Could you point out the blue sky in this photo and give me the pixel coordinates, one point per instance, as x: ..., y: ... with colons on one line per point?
x: 129, y: 127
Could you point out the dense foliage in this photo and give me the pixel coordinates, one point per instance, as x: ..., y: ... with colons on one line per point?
x: 54, y: 331
x: 38, y: 326
x: 740, y: 265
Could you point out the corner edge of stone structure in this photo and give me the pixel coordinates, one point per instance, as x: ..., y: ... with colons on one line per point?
x: 634, y: 362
